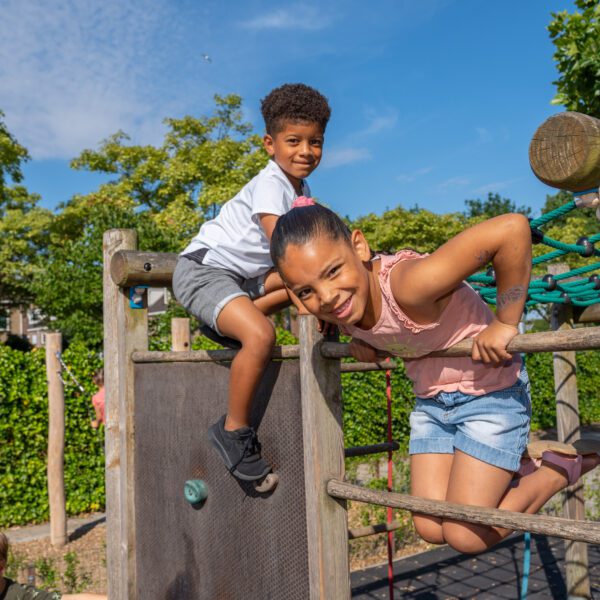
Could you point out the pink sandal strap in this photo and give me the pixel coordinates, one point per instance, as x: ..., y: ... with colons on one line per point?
x: 570, y: 464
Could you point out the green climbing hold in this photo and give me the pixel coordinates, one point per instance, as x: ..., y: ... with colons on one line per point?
x: 195, y: 491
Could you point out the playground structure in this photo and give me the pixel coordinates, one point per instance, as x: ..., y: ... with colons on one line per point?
x: 291, y: 543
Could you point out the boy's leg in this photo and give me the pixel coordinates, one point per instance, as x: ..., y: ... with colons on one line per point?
x: 429, y: 475
x: 241, y: 320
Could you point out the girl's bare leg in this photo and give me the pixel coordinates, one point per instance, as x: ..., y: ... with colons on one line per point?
x: 429, y: 476
x: 476, y: 483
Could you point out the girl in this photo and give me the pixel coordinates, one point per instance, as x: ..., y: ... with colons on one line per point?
x: 470, y: 424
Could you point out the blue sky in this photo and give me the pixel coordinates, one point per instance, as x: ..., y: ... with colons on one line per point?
x: 433, y: 101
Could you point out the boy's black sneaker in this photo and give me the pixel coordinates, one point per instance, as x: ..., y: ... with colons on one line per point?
x: 240, y: 451
x: 211, y: 334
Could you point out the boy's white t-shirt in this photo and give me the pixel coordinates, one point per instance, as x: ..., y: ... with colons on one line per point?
x: 235, y: 239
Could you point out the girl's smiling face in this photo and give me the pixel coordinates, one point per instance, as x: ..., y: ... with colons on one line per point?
x: 329, y: 277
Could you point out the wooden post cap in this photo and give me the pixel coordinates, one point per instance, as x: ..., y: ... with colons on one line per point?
x: 565, y: 152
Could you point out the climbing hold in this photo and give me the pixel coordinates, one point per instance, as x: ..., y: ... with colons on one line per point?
x: 595, y: 280
x: 566, y: 298
x: 195, y: 491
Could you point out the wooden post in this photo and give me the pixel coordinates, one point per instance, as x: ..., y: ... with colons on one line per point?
x: 568, y: 426
x: 180, y: 334
x: 56, y: 442
x: 327, y: 524
x: 125, y: 331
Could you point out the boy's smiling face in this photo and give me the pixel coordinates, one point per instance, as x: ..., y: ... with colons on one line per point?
x: 297, y: 148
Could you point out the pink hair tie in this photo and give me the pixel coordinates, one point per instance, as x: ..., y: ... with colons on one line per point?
x: 302, y: 201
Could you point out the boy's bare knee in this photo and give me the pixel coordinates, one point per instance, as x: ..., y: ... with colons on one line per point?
x: 260, y: 336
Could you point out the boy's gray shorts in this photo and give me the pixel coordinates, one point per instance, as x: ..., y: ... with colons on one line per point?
x: 204, y: 290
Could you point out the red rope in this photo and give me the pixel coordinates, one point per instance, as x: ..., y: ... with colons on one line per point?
x: 390, y: 516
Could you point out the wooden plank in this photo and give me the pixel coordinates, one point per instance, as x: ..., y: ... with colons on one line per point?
x: 181, y: 339
x: 125, y: 330
x: 327, y: 524
x: 131, y: 267
x: 358, y: 532
x: 279, y: 352
x: 554, y: 526
x: 569, y: 431
x: 56, y: 442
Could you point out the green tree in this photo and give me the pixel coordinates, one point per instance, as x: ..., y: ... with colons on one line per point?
x: 493, y: 206
x: 163, y: 192
x: 577, y: 40
x: 23, y: 224
x: 399, y: 228
x: 202, y: 163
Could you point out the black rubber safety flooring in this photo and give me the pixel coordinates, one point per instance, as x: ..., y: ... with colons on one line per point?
x: 444, y: 574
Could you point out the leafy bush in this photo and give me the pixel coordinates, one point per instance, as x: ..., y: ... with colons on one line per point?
x: 24, y: 437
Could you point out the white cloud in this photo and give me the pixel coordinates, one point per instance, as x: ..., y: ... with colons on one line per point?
x: 380, y: 121
x: 298, y: 17
x: 408, y: 177
x: 72, y: 73
x: 495, y: 186
x: 453, y: 183
x: 483, y: 135
x: 345, y: 156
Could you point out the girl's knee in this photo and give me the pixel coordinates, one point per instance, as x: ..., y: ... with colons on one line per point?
x: 430, y: 529
x: 467, y: 538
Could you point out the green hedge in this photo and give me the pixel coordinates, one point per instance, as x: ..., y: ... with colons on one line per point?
x: 24, y: 437
x: 24, y: 422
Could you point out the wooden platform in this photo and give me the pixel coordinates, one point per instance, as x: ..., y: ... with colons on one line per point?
x: 444, y: 574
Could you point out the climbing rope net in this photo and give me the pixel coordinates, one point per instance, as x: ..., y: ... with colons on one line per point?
x: 577, y: 287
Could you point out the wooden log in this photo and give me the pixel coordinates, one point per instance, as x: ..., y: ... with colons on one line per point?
x: 181, y: 339
x: 569, y: 431
x: 584, y: 338
x: 125, y: 330
x: 587, y: 531
x: 565, y: 152
x: 358, y: 532
x: 56, y: 442
x: 587, y: 338
x: 131, y: 267
x: 326, y: 519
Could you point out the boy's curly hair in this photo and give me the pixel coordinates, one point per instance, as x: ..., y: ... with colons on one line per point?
x: 295, y: 103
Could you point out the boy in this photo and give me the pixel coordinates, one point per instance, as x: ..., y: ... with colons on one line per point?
x: 225, y: 277
x: 11, y: 590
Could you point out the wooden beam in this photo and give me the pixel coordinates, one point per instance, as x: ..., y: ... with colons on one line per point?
x: 358, y: 532
x: 56, y: 442
x: 125, y: 331
x: 131, y: 267
x: 587, y: 531
x: 326, y: 519
x: 569, y: 431
x: 589, y: 314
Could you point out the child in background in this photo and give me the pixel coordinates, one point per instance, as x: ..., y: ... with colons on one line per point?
x: 225, y: 277
x: 98, y: 399
x: 470, y: 424
x: 11, y: 590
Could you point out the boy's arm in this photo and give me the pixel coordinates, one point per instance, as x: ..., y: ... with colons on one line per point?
x: 505, y: 241
x: 268, y: 223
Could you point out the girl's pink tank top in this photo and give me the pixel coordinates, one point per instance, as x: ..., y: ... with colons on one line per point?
x: 464, y: 317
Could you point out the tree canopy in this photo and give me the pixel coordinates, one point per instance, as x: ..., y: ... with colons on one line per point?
x: 576, y: 37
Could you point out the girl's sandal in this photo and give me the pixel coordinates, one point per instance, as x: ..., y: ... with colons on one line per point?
x: 570, y: 464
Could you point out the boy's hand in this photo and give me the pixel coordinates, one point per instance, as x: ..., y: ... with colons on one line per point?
x: 490, y: 345
x: 362, y: 351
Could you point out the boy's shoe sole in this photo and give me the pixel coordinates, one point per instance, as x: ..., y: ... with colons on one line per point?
x: 216, y: 442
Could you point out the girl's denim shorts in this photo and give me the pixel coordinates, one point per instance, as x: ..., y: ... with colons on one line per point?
x: 493, y: 428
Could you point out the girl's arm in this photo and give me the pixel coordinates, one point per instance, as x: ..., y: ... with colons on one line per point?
x: 423, y: 287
